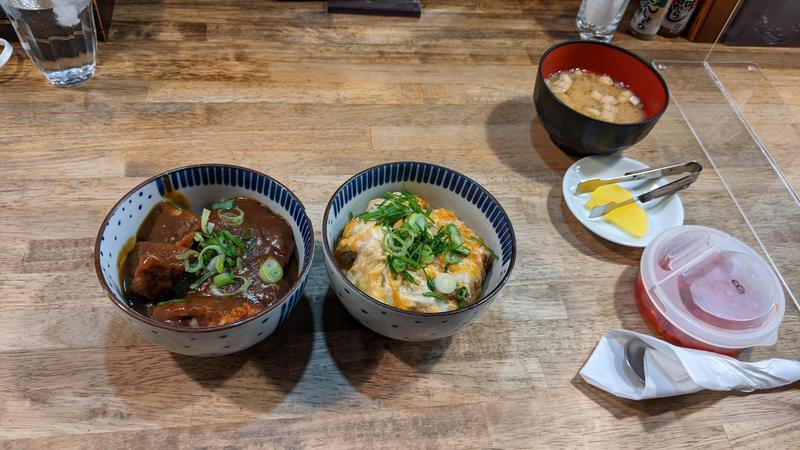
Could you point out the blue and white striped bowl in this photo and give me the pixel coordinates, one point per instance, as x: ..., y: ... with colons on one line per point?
x: 442, y: 188
x: 202, y: 185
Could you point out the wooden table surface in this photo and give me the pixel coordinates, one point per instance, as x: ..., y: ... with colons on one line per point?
x: 311, y: 99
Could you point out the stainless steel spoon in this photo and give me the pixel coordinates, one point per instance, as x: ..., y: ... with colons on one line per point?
x: 634, y: 357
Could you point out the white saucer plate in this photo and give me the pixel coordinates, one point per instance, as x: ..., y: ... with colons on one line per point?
x: 662, y: 213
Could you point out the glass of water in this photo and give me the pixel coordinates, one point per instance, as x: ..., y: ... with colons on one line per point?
x: 58, y: 36
x: 598, y: 19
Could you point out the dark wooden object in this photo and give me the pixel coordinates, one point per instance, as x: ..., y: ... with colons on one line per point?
x: 103, y: 10
x: 403, y: 8
x: 709, y: 20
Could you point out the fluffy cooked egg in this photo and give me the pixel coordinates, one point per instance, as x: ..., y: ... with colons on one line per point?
x: 361, y: 255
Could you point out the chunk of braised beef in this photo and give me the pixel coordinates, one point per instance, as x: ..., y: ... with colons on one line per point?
x: 170, y: 224
x: 272, y: 235
x: 201, y: 311
x: 154, y: 271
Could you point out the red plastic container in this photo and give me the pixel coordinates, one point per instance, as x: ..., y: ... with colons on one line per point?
x: 701, y: 288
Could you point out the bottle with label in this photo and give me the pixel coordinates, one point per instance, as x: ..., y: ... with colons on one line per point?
x: 647, y: 19
x: 677, y: 17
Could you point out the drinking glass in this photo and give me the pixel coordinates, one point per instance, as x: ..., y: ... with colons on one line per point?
x: 58, y: 36
x: 598, y: 19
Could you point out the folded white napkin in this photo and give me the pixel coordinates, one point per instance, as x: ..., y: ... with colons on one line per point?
x: 672, y: 370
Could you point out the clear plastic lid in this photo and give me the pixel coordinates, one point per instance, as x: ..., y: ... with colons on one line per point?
x: 713, y: 287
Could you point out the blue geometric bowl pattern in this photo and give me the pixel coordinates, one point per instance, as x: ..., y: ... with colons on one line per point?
x: 443, y: 188
x: 201, y: 185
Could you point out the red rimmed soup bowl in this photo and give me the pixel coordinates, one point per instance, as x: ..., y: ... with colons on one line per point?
x: 580, y: 134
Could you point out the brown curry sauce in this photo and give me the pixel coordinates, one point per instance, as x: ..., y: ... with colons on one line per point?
x: 149, y: 266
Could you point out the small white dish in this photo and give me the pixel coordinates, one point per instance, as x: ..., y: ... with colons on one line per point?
x: 662, y: 213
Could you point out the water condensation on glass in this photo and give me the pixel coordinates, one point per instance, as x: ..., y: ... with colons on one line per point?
x: 58, y: 36
x: 598, y: 19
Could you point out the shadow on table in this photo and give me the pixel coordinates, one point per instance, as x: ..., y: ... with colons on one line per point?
x: 159, y: 386
x: 378, y: 367
x: 625, y: 302
x: 664, y: 408
x: 520, y: 142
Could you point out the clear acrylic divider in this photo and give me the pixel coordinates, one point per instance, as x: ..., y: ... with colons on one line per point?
x: 742, y: 107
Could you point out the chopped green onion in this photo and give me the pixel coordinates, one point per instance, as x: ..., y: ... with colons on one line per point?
x: 445, y: 283
x: 224, y: 205
x: 199, y: 237
x: 188, y: 266
x: 215, y: 248
x: 208, y: 274
x: 239, y: 262
x: 245, y: 285
x: 233, y: 219
x: 223, y: 279
x: 169, y: 302
x: 270, y: 271
x: 393, y: 208
x: 409, y: 277
x: 395, y: 245
x: 461, y: 294
x: 204, y: 220
x: 433, y: 295
x: 455, y: 236
x: 429, y: 281
x: 483, y: 244
x: 426, y: 254
x: 462, y: 250
x: 229, y: 236
x: 398, y: 265
x: 451, y: 258
x: 417, y: 223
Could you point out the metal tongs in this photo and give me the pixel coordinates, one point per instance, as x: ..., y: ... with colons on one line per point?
x: 692, y: 167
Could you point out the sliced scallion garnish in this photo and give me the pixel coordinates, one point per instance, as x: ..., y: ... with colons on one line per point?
x: 455, y: 235
x: 451, y: 258
x: 169, y: 302
x: 444, y: 283
x: 223, y: 279
x: 234, y: 217
x: 234, y: 240
x: 410, y: 241
x: 461, y: 294
x: 242, y: 288
x: 204, y: 220
x: 462, y: 250
x: 270, y: 271
x: 433, y: 295
x: 191, y: 267
x: 224, y: 205
x: 426, y: 255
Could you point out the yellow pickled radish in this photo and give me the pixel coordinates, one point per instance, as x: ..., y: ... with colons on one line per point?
x: 631, y: 218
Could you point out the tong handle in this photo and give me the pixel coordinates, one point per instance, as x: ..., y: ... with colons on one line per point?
x: 645, y: 174
x: 669, y: 188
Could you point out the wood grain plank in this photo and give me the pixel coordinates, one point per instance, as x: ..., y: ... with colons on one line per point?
x: 311, y: 99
